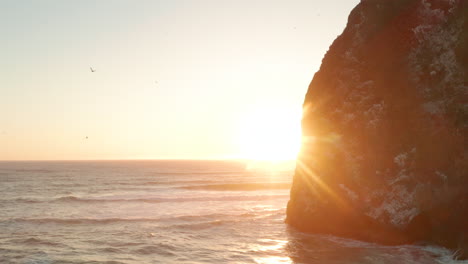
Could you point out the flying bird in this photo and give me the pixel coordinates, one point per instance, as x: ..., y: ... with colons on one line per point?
x: 92, y: 70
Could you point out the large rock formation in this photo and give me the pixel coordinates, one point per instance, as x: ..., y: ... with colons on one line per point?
x: 384, y: 154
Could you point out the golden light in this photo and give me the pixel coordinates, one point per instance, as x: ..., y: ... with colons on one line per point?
x: 276, y: 247
x: 274, y: 260
x: 270, y: 133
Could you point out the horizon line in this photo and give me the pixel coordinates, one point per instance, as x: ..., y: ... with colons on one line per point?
x: 147, y: 159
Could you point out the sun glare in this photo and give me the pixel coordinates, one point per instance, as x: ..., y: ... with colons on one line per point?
x: 271, y: 134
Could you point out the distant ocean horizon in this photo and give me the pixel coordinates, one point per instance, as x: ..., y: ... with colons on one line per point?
x: 167, y: 211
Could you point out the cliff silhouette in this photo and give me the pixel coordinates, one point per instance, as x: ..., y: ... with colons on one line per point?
x: 385, y: 120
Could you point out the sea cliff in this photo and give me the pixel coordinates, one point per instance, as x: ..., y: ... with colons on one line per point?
x: 385, y: 120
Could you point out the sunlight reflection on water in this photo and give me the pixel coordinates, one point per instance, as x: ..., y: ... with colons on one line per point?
x: 277, y: 244
x: 274, y: 260
x: 273, y: 246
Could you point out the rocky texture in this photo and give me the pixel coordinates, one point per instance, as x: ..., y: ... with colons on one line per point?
x: 384, y: 155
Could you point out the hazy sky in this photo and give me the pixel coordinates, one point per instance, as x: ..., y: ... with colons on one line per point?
x: 174, y: 79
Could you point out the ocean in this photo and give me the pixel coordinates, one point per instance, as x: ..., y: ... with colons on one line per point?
x: 166, y: 211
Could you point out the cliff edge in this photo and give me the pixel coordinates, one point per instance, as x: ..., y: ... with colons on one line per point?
x: 384, y: 154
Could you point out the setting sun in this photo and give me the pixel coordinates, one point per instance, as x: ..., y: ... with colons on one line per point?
x: 270, y: 133
x: 218, y: 131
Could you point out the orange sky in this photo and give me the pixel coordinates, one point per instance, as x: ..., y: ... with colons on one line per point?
x: 174, y: 79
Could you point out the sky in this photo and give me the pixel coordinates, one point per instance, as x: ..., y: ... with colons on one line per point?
x: 204, y: 79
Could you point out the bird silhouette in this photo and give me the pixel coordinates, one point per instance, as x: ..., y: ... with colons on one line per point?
x: 92, y: 70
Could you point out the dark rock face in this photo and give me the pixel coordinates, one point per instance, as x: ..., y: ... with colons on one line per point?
x: 384, y: 155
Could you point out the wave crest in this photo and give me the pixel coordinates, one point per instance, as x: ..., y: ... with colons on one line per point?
x: 151, y: 199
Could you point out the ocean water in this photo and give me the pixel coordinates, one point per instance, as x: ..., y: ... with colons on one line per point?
x: 167, y: 212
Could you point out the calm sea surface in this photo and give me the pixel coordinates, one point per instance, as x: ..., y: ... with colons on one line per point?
x: 166, y: 212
